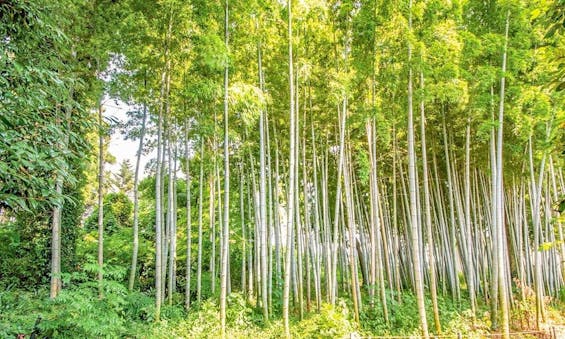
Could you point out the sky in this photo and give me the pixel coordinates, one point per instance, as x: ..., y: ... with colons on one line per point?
x: 120, y: 148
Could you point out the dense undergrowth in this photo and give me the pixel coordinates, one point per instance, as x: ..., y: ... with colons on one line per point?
x: 79, y: 313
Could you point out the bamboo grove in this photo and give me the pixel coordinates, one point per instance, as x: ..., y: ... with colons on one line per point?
x: 320, y: 152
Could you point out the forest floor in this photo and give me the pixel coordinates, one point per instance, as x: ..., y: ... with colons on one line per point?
x: 557, y: 325
x: 78, y: 313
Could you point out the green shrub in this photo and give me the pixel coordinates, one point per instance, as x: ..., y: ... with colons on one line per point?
x: 204, y: 322
x: 331, y: 322
x: 18, y: 312
x: 79, y: 313
x: 139, y: 307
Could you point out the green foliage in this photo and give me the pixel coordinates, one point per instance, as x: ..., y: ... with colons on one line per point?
x: 205, y: 321
x: 140, y: 307
x: 244, y: 321
x: 37, y: 136
x: 23, y: 247
x: 554, y: 19
x: 117, y: 252
x: 404, y: 315
x: 404, y: 319
x: 71, y: 218
x: 26, y: 242
x: 247, y: 101
x: 330, y: 322
x: 19, y: 311
x: 123, y: 180
x: 43, y: 127
x: 118, y: 210
x: 78, y: 312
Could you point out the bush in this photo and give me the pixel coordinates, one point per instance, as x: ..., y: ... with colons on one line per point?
x: 18, y: 312
x: 331, y: 322
x: 25, y: 243
x: 78, y: 312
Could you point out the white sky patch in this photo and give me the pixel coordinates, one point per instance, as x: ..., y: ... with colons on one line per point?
x: 119, y: 147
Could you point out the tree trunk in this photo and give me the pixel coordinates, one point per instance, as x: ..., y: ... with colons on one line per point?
x: 200, y: 224
x: 56, y: 245
x: 494, y: 232
x: 100, y: 202
x: 501, y: 254
x: 171, y: 233
x: 352, y: 233
x: 414, y: 212
x: 291, y: 173
x: 467, y: 234
x: 133, y: 270
x: 56, y: 283
x: 226, y: 217
x: 262, y: 197
x: 188, y: 223
x: 158, y: 211
x: 427, y: 211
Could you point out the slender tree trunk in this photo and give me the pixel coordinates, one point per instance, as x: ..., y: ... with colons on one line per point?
x: 307, y: 218
x: 291, y: 171
x: 133, y: 270
x: 171, y: 221
x: 165, y: 220
x: 467, y: 234
x: 494, y: 232
x: 327, y: 232
x: 452, y: 239
x: 318, y: 246
x: 56, y: 283
x: 175, y: 219
x: 501, y: 254
x: 212, y: 220
x: 262, y: 197
x: 536, y: 216
x: 272, y: 214
x: 395, y: 212
x: 252, y: 249
x: 414, y: 212
x: 158, y: 211
x: 427, y: 211
x: 352, y: 236
x: 338, y: 202
x: 226, y: 218
x: 188, y: 222
x: 243, y: 232
x: 219, y: 213
x: 299, y: 234
x: 200, y: 224
x: 159, y: 243
x: 100, y: 202
x: 278, y: 233
x: 56, y: 245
